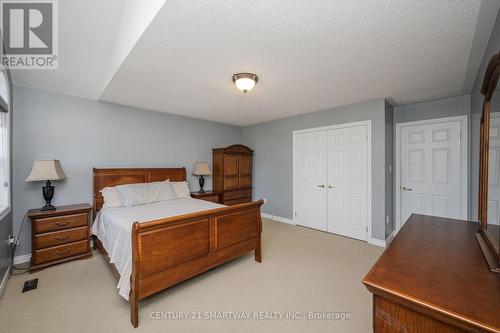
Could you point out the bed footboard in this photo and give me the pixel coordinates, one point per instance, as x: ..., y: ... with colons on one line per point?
x: 168, y: 251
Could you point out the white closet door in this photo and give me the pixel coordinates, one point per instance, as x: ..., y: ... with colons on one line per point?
x: 431, y: 170
x: 347, y: 174
x: 310, y: 181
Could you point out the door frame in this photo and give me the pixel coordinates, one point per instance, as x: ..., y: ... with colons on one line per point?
x: 368, y: 124
x: 464, y: 147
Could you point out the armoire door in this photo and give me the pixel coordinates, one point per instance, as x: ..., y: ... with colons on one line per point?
x: 231, y: 178
x: 310, y: 180
x: 347, y: 174
x: 245, y: 171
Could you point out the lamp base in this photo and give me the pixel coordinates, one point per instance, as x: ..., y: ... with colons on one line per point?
x: 202, y: 183
x: 47, y: 207
x: 48, y: 194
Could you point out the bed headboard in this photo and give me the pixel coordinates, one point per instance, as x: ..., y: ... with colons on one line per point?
x: 111, y: 177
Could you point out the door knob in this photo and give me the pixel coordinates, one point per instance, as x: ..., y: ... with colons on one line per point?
x: 322, y: 185
x: 404, y: 188
x: 331, y: 186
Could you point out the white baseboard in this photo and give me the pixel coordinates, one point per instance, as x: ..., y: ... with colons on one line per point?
x: 377, y: 242
x: 381, y: 243
x: 277, y: 218
x: 390, y: 238
x: 3, y: 285
x: 373, y: 241
x: 22, y: 259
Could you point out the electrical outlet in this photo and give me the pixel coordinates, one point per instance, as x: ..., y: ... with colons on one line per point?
x: 265, y: 201
x: 12, y: 239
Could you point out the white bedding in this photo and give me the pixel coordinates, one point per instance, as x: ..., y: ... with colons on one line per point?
x: 113, y: 227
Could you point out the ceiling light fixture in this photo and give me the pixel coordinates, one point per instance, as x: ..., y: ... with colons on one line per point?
x: 245, y: 81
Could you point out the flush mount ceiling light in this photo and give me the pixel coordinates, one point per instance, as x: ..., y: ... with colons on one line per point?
x: 245, y: 81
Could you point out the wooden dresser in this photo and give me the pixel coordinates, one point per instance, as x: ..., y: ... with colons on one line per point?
x: 232, y: 174
x: 59, y: 235
x: 433, y: 278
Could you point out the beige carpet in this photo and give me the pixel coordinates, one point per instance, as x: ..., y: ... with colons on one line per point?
x: 302, y: 270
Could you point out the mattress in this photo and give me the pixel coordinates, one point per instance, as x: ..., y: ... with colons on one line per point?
x: 113, y: 227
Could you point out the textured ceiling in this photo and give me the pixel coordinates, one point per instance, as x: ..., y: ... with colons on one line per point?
x: 309, y: 56
x: 86, y: 34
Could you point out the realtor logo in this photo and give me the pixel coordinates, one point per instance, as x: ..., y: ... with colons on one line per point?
x: 29, y: 31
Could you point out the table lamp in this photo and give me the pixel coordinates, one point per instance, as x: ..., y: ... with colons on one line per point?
x: 46, y: 170
x: 201, y: 169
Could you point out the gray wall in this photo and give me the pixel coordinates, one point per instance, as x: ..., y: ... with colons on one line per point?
x: 273, y: 165
x: 6, y: 223
x: 84, y: 134
x: 476, y: 109
x: 442, y: 108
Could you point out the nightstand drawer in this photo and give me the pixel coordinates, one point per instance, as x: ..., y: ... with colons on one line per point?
x: 59, y: 223
x: 237, y: 201
x: 60, y: 237
x: 60, y: 252
x: 211, y: 198
x: 207, y: 196
x: 237, y: 194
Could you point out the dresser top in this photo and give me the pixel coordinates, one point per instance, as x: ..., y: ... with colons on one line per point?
x: 437, y: 264
x: 61, y: 210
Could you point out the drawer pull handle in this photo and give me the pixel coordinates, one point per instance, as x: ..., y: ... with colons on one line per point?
x: 62, y: 222
x: 63, y: 253
x: 62, y: 238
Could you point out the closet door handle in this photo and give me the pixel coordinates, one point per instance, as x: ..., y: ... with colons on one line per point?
x: 322, y: 185
x: 404, y: 188
x: 331, y: 186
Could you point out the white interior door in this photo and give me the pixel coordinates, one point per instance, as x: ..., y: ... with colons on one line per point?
x: 493, y: 168
x: 331, y: 179
x: 347, y: 175
x: 310, y: 180
x: 432, y: 170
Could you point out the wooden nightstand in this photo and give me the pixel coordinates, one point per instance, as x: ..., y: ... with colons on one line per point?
x: 59, y: 235
x: 207, y: 196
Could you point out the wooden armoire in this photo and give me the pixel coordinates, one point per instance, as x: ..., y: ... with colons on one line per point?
x: 232, y: 174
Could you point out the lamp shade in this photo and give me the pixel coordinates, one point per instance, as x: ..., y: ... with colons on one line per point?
x: 201, y: 169
x: 46, y: 170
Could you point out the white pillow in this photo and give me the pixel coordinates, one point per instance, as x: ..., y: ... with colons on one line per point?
x: 166, y: 191
x: 145, y: 193
x: 181, y: 189
x: 111, y: 197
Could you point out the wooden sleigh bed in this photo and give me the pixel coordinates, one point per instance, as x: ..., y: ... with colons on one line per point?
x: 171, y: 250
